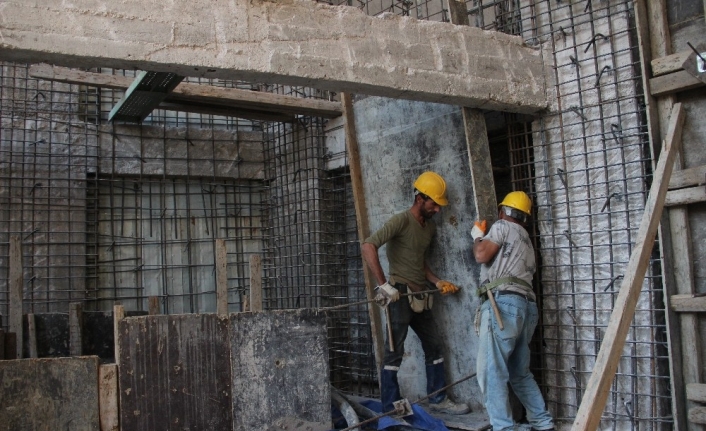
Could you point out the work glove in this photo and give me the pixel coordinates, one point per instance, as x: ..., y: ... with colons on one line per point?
x: 446, y: 287
x: 479, y: 229
x: 386, y: 294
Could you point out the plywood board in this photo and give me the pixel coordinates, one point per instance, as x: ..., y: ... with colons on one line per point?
x: 49, y: 394
x: 280, y: 368
x: 174, y: 373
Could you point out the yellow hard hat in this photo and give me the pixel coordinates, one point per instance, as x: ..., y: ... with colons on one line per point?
x: 432, y: 185
x: 519, y: 201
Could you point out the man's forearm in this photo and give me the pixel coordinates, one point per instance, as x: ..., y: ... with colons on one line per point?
x: 371, y: 258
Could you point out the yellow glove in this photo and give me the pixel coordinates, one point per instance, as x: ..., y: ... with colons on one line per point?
x: 479, y: 229
x: 446, y: 287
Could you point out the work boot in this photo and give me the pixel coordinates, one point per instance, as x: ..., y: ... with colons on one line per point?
x: 450, y: 407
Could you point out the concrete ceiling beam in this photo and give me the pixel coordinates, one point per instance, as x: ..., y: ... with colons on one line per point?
x: 292, y: 42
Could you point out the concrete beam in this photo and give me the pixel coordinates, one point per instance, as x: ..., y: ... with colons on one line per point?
x: 294, y: 42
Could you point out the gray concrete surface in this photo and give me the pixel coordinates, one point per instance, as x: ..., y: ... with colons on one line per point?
x: 49, y: 394
x: 398, y: 141
x: 297, y: 42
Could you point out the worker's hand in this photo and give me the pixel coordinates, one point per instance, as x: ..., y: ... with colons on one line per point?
x: 446, y: 287
x: 386, y: 294
x: 479, y: 229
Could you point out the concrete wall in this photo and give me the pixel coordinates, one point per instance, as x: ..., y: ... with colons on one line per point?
x: 398, y: 141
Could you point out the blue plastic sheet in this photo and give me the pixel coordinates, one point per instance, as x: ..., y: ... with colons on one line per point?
x: 420, y: 420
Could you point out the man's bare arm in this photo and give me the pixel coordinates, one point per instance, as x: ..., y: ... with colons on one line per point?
x: 484, y: 251
x: 371, y: 258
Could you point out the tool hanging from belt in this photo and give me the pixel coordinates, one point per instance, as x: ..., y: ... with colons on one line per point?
x: 487, y: 288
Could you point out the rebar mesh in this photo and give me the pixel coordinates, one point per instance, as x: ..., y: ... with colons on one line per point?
x: 88, y: 227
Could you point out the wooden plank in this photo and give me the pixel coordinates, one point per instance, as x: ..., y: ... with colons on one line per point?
x: 255, y: 282
x: 688, y: 303
x: 11, y: 345
x: 153, y: 305
x: 16, y: 281
x: 686, y: 196
x: 683, y: 362
x: 481, y: 166
x: 689, y: 351
x: 696, y: 392
x: 31, y: 336
x: 108, y: 397
x: 486, y: 203
x: 651, y: 23
x: 458, y: 12
x: 200, y: 95
x: 279, y: 373
x: 642, y: 24
x: 221, y: 277
x: 670, y: 63
x: 695, y: 176
x: 594, y: 399
x: 697, y: 415
x: 175, y: 372
x: 247, y: 114
x: 75, y: 329
x: 49, y: 394
x: 118, y: 316
x: 362, y: 221
x: 673, y: 83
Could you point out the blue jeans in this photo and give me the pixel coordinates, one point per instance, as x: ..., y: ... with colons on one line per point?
x: 504, y: 357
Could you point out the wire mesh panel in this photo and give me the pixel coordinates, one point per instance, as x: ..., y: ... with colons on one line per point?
x: 592, y: 163
x: 312, y: 254
x: 157, y: 238
x: 44, y: 160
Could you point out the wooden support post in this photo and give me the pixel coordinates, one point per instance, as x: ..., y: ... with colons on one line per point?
x: 75, y: 329
x: 221, y: 277
x: 109, y: 413
x: 654, y: 43
x: 153, y: 305
x: 2, y: 344
x: 255, y: 282
x: 11, y: 345
x: 477, y: 142
x: 15, y: 294
x: 594, y: 399
x: 118, y: 315
x: 361, y: 216
x: 31, y: 336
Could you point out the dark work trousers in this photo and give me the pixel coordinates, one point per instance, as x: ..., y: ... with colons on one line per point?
x: 424, y: 325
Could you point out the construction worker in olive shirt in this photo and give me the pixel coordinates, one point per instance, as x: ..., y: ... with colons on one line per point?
x: 408, y: 236
x: 508, y: 265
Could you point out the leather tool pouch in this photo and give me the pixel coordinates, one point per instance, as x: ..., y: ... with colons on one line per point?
x: 420, y: 302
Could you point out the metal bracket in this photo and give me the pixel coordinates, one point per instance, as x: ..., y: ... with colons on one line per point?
x: 402, y: 408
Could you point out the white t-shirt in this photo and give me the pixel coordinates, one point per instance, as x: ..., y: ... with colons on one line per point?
x: 515, y: 257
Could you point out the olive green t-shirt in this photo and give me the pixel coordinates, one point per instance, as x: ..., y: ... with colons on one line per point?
x: 407, y: 242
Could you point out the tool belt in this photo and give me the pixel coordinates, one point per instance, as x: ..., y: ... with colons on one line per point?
x: 417, y: 302
x: 485, y: 287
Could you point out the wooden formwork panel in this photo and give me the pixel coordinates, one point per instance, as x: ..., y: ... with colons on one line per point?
x: 49, y: 394
x: 178, y: 372
x: 280, y: 368
x: 174, y: 373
